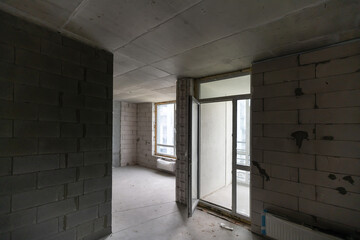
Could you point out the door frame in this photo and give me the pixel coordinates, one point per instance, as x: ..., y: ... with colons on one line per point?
x: 191, y: 206
x: 235, y: 165
x: 225, y: 211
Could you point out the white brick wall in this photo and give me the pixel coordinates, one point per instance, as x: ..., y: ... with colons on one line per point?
x: 137, y: 134
x: 128, y: 129
x: 145, y: 135
x: 306, y: 184
x: 116, y: 132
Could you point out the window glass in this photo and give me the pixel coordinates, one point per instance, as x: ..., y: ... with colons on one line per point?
x: 165, y: 129
x: 243, y: 192
x: 166, y: 150
x: 227, y: 87
x: 243, y: 132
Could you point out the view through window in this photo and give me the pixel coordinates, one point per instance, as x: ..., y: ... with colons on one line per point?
x: 165, y: 129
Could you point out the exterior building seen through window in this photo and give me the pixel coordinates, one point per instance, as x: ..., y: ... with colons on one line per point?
x: 165, y: 138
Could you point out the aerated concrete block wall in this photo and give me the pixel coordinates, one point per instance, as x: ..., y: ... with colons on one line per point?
x: 137, y: 134
x: 55, y: 135
x: 145, y: 135
x: 184, y: 89
x: 318, y: 93
x: 116, y: 135
x: 128, y: 137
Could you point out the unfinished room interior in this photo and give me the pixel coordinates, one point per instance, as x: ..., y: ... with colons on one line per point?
x: 179, y: 119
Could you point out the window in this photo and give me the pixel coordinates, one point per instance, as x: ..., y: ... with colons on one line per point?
x: 232, y: 86
x: 165, y: 129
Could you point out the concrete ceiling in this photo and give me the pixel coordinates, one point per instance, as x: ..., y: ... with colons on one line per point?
x: 157, y: 41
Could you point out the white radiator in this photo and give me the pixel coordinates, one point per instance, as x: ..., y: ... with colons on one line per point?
x: 281, y: 229
x: 165, y: 165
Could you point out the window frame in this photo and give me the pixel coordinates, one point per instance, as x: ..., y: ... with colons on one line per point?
x: 155, y: 134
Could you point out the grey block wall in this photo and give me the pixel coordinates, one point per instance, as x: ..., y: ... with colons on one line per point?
x: 318, y: 184
x: 55, y: 135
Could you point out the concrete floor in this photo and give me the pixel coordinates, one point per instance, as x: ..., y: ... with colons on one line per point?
x: 223, y: 197
x: 144, y: 207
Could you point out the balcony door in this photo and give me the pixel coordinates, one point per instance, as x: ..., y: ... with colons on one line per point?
x: 223, y: 180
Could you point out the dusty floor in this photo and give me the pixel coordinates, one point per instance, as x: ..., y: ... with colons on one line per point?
x: 144, y: 207
x: 223, y: 197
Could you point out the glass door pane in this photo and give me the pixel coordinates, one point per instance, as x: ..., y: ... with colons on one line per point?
x: 216, y: 127
x: 243, y: 133
x: 243, y: 157
x: 243, y: 192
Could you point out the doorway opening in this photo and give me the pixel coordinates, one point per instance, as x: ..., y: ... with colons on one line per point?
x: 143, y: 178
x: 223, y: 137
x: 216, y: 153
